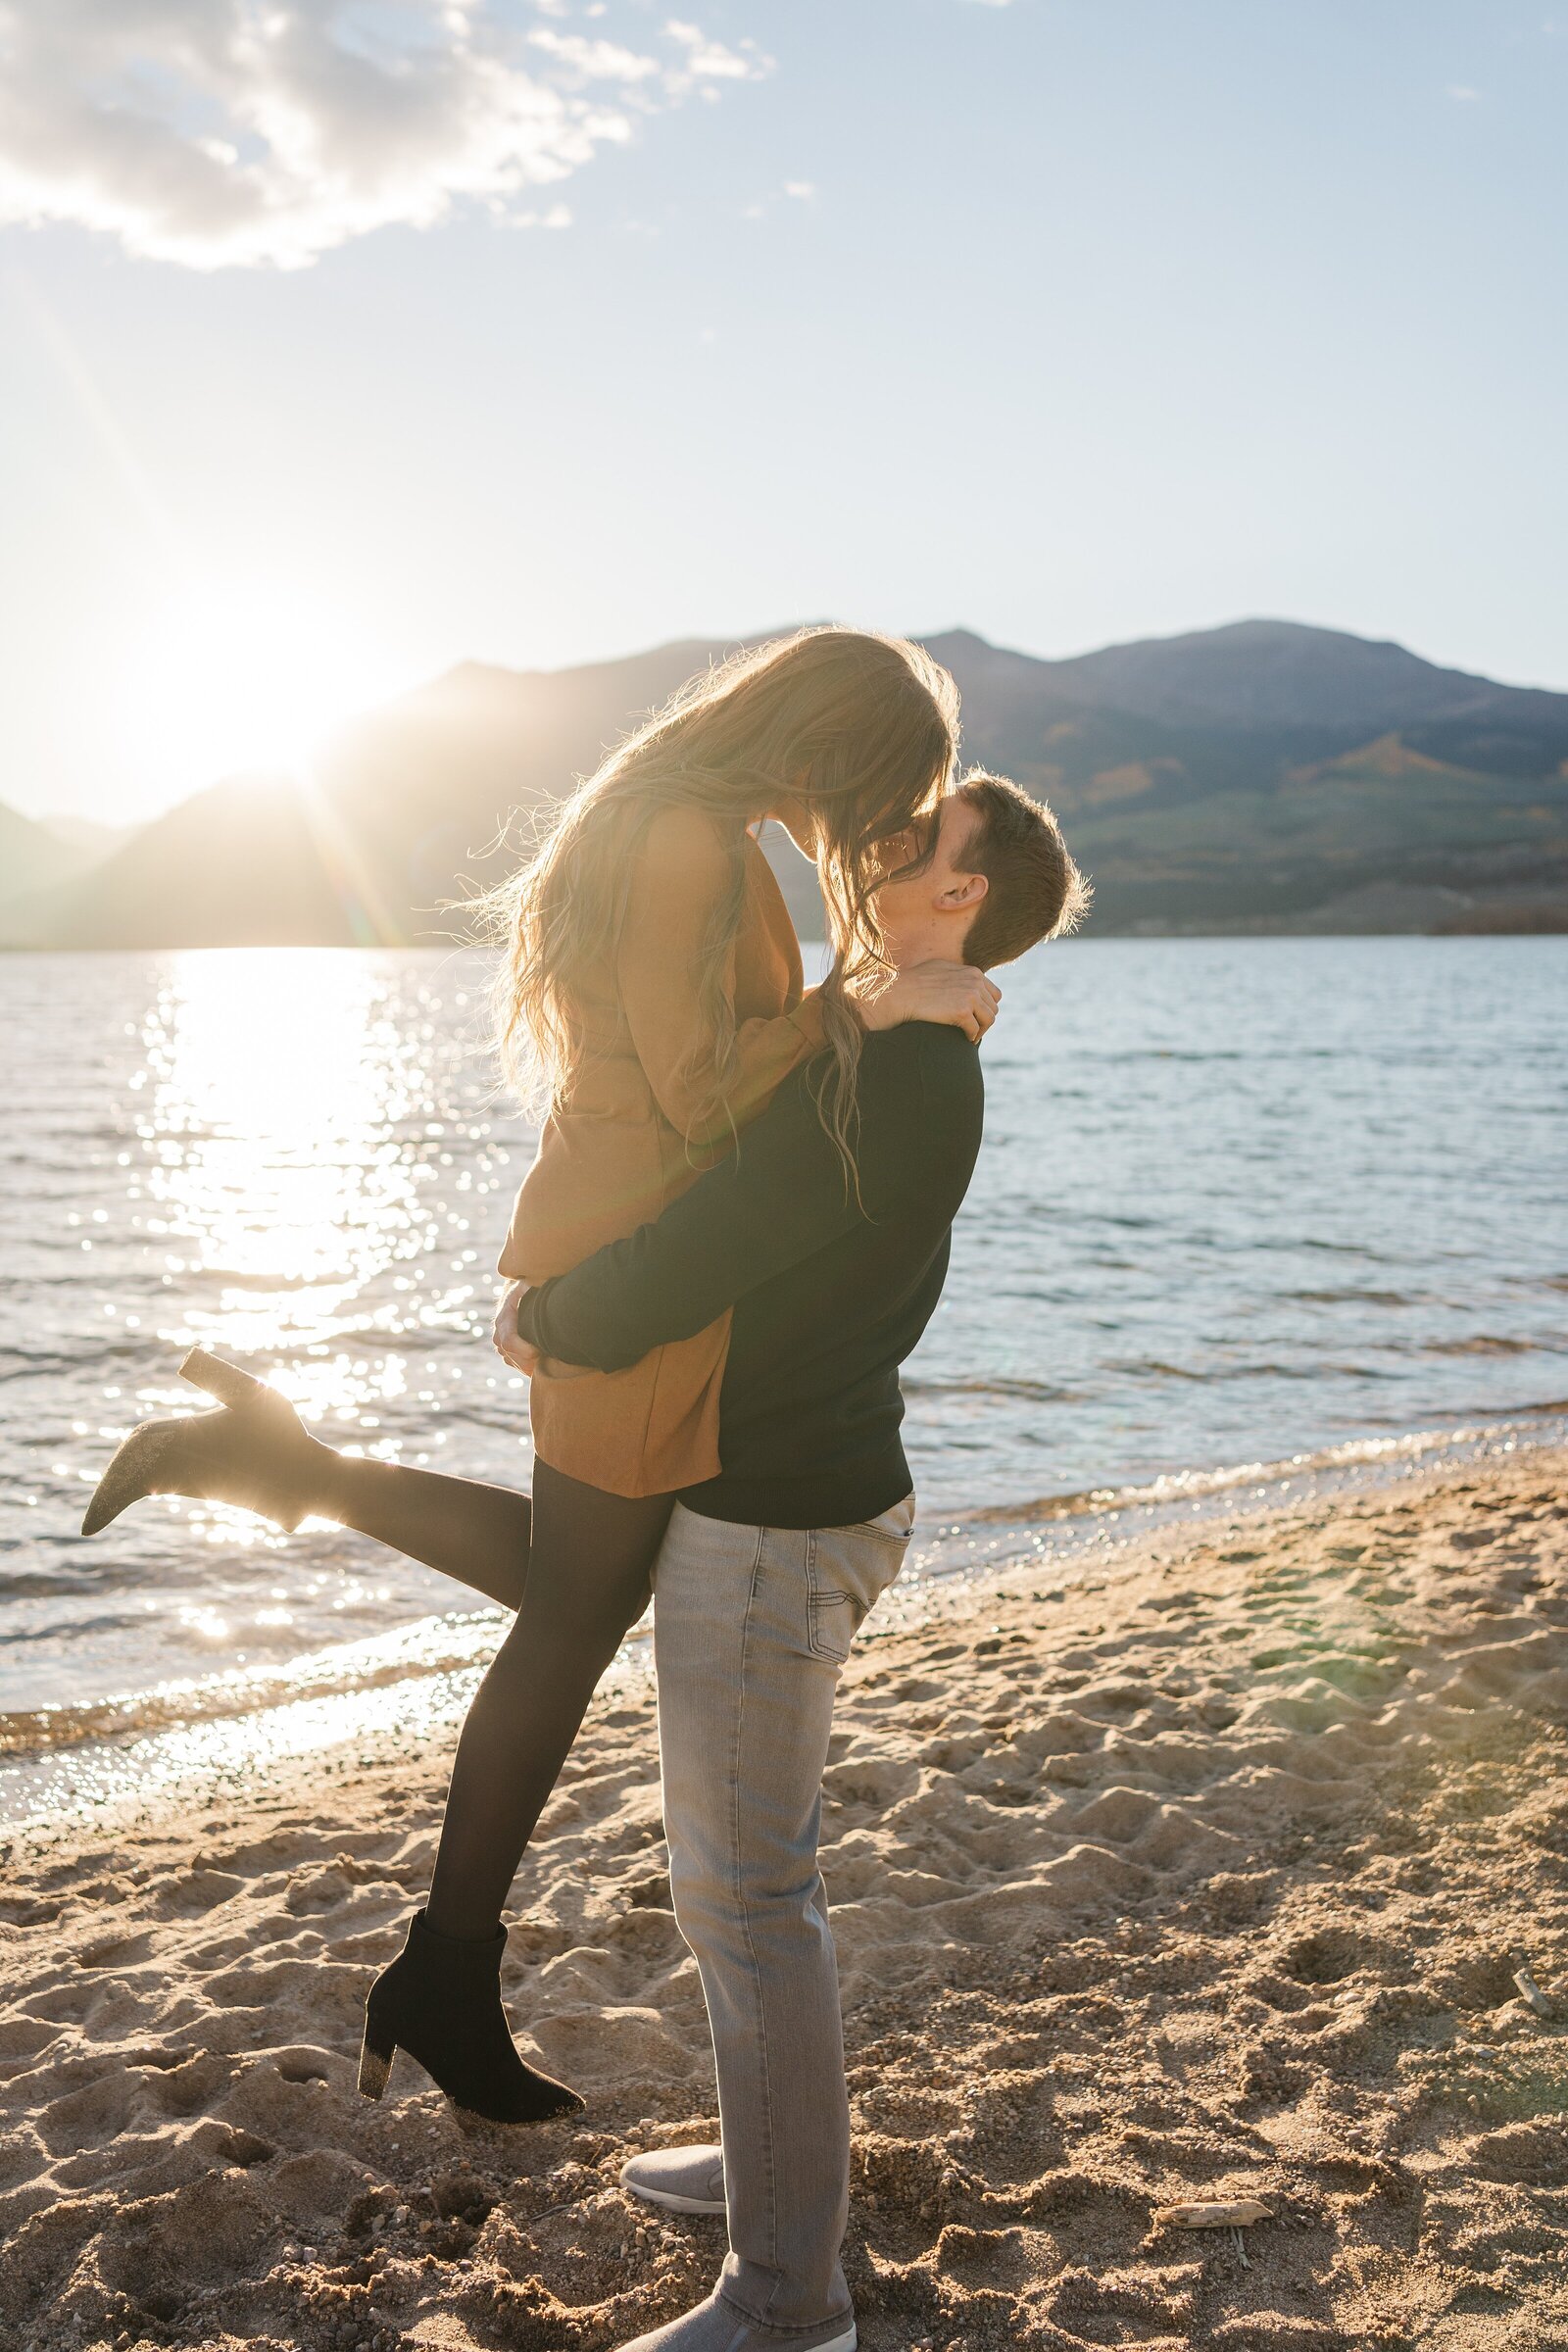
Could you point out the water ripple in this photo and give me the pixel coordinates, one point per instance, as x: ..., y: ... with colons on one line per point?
x: 1242, y: 1202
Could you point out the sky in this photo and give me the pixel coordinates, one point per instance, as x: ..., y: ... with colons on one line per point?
x: 341, y: 340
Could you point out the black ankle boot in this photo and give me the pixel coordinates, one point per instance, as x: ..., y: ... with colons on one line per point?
x: 256, y: 1452
x: 440, y: 2000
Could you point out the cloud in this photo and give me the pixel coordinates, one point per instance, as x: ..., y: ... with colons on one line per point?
x: 594, y: 60
x: 223, y: 133
x: 802, y: 191
x: 712, y: 61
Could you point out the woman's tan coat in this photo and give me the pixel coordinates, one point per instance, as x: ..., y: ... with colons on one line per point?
x: 618, y: 1151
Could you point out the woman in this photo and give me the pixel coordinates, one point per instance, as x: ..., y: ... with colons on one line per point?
x: 655, y: 979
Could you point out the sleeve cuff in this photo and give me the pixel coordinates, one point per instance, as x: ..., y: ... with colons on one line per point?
x: 527, y: 1314
x: 810, y: 1021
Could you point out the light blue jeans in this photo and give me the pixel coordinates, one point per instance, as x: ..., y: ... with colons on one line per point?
x: 751, y: 1626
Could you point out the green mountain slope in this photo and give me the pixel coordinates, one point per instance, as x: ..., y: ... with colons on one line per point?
x: 1260, y: 776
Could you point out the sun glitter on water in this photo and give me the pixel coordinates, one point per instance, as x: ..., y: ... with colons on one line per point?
x: 279, y: 1107
x: 273, y: 1110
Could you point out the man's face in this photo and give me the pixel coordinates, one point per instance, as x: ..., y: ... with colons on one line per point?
x: 910, y: 899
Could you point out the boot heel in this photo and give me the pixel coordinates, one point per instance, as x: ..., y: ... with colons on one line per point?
x: 439, y: 2003
x: 377, y: 2053
x: 223, y: 1381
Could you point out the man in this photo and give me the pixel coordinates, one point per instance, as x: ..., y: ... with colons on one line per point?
x: 767, y: 1570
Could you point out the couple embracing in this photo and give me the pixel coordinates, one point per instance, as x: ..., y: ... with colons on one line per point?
x: 735, y: 1230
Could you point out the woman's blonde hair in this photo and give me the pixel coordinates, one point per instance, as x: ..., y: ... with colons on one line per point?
x: 862, y: 729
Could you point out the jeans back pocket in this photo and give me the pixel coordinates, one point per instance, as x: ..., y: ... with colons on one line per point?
x: 848, y: 1570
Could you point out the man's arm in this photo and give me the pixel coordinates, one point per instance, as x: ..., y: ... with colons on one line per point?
x: 781, y: 1199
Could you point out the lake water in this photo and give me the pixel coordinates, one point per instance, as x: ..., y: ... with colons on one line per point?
x: 1246, y: 1208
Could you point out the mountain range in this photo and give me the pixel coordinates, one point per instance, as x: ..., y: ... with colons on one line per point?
x: 1263, y: 776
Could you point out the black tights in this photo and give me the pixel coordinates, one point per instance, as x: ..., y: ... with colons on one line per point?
x: 575, y: 1564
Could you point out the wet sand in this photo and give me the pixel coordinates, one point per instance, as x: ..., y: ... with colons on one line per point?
x: 1206, y: 1877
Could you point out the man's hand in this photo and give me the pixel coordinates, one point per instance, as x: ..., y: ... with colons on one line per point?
x: 510, y: 1343
x: 953, y: 995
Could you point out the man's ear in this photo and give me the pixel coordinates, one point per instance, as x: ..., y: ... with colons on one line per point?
x: 959, y: 896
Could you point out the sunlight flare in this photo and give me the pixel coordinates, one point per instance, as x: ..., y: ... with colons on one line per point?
x: 247, y: 677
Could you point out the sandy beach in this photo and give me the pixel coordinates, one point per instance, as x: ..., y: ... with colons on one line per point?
x: 1205, y: 1876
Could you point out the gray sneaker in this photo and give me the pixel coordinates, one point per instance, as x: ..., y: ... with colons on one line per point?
x: 681, y: 2180
x: 717, y: 2326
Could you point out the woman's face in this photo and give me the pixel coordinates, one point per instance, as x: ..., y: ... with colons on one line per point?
x: 892, y: 851
x: 901, y: 857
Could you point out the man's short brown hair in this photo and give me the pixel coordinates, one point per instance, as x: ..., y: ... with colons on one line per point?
x: 1036, y: 892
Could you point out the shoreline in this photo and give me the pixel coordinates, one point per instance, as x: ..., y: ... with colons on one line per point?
x: 1202, y: 1872
x: 120, y: 1753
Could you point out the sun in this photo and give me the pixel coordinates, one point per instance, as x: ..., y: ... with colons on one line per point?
x: 246, y: 678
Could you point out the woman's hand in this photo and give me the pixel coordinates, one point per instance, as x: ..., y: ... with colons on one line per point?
x: 510, y: 1343
x: 953, y: 995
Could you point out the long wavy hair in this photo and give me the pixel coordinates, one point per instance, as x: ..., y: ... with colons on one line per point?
x: 862, y: 730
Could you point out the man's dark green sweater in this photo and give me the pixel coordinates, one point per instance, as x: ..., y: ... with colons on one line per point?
x: 830, y: 1293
